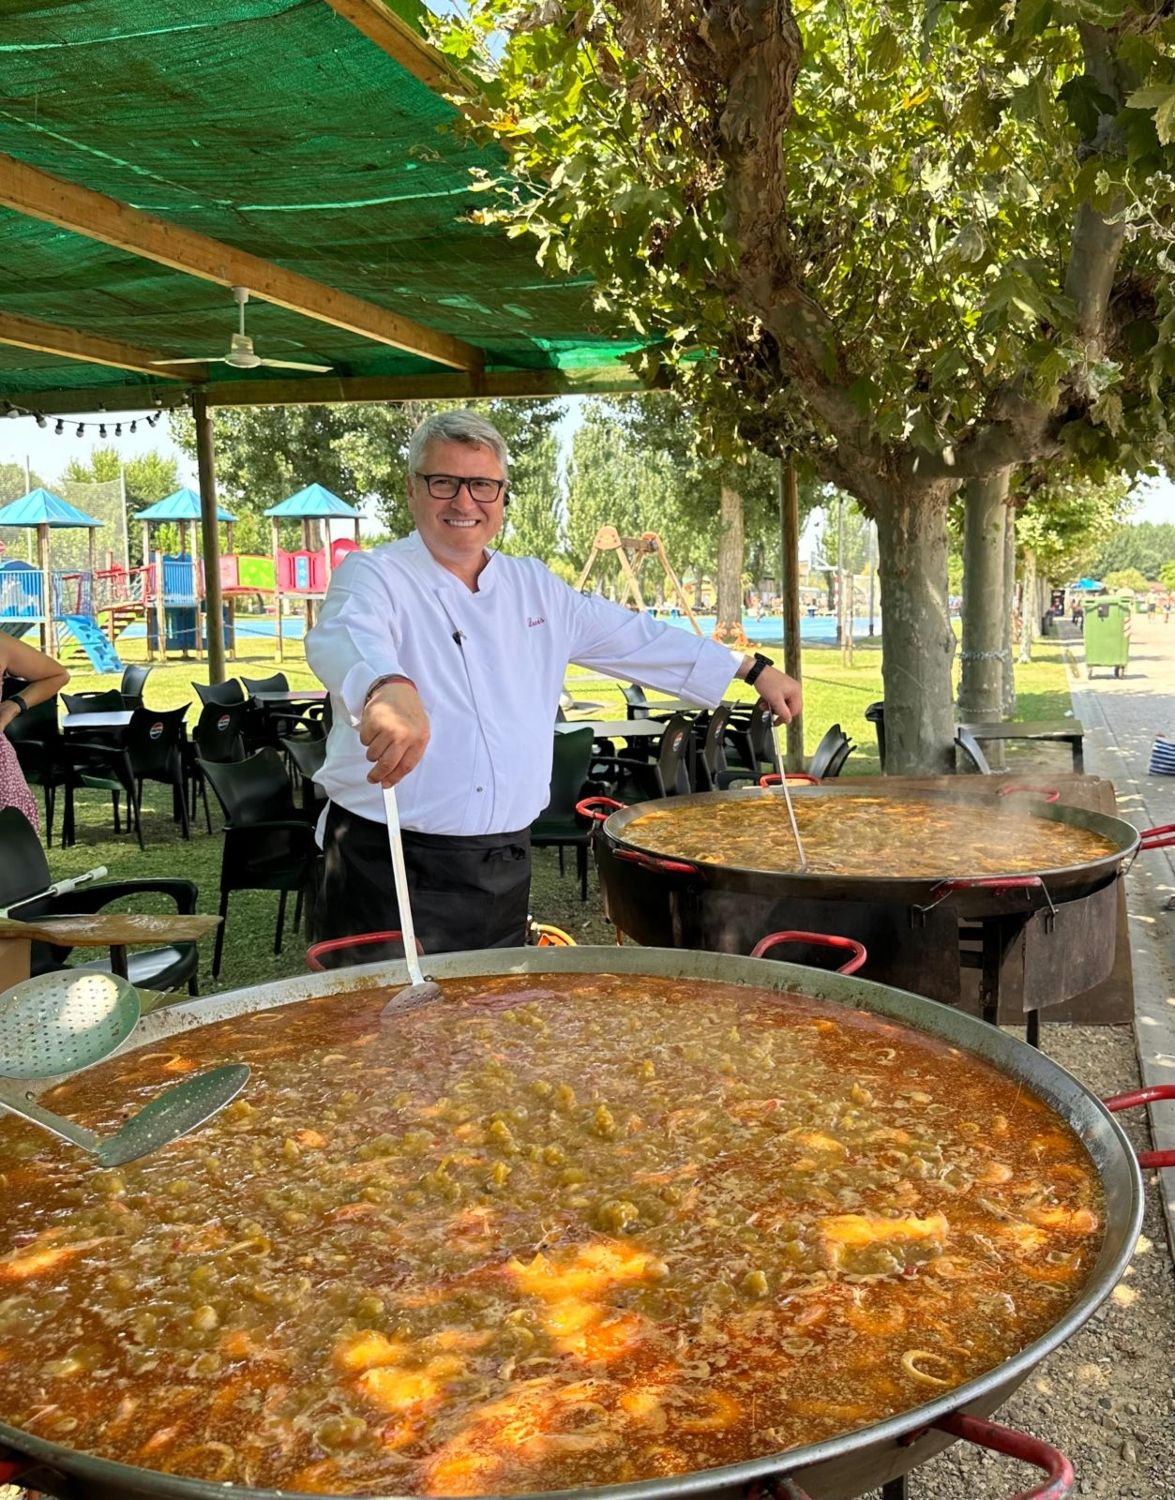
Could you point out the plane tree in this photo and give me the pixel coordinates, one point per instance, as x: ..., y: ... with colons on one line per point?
x: 918, y: 245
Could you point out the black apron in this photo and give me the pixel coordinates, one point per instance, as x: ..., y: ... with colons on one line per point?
x: 467, y: 892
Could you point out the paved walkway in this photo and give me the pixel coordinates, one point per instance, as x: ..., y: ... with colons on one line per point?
x: 1121, y: 718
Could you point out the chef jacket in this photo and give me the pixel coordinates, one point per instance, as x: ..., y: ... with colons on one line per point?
x: 489, y: 667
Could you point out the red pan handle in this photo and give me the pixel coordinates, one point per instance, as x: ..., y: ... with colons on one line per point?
x: 13, y: 1465
x: 1145, y: 1096
x: 1161, y: 837
x: 775, y: 779
x: 654, y: 862
x: 1047, y: 793
x: 1012, y: 1444
x: 821, y: 940
x: 991, y: 882
x: 599, y: 808
x: 360, y: 940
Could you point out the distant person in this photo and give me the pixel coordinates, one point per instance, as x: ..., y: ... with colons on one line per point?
x: 43, y: 677
x: 1078, y: 616
x: 1167, y: 612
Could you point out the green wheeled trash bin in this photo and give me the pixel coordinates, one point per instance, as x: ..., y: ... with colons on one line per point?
x: 1106, y: 630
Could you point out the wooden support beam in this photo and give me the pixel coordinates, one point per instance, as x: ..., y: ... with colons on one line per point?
x: 381, y: 25
x: 327, y: 390
x: 210, y: 539
x: 30, y: 191
x: 87, y: 348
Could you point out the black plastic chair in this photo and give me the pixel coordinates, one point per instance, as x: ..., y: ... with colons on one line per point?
x: 667, y: 775
x: 134, y: 679
x: 307, y: 756
x: 830, y: 754
x: 25, y: 874
x: 637, y: 703
x: 875, y: 714
x: 218, y: 736
x: 968, y: 747
x: 36, y: 737
x: 267, y: 846
x: 559, y: 824
x: 226, y: 693
x: 750, y: 739
x: 278, y: 683
x: 155, y: 746
x: 105, y: 766
x: 710, y: 748
x: 109, y: 701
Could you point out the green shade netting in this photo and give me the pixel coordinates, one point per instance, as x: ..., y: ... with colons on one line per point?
x: 276, y: 127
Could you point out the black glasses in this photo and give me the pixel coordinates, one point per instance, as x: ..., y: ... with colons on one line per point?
x: 448, y: 487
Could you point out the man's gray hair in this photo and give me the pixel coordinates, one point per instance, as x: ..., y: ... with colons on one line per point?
x: 456, y: 427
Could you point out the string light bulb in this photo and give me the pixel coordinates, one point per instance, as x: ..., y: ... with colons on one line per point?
x: 118, y: 429
x: 134, y: 426
x: 59, y: 429
x: 102, y: 429
x: 41, y: 419
x: 81, y: 429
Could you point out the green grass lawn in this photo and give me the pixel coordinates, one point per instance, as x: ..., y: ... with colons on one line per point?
x: 833, y: 693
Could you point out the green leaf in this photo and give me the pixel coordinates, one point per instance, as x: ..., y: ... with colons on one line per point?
x: 1151, y: 96
x: 1085, y: 102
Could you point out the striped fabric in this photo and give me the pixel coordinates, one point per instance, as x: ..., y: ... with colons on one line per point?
x: 1163, y: 756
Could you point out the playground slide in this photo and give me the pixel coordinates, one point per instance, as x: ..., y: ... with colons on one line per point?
x: 88, y: 634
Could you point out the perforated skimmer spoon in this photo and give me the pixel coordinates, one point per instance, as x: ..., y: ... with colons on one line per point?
x: 170, y: 1115
x: 67, y: 1019
x: 421, y: 989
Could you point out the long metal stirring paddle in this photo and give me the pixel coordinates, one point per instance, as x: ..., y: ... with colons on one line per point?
x: 791, y: 812
x: 421, y: 989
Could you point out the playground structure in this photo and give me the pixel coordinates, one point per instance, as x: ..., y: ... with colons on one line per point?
x: 631, y: 553
x: 305, y: 574
x: 58, y: 604
x: 91, y: 607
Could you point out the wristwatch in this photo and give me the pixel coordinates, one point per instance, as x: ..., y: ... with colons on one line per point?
x: 21, y: 706
x: 760, y: 661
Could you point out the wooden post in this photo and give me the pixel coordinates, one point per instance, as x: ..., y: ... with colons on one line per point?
x: 189, y: 530
x: 160, y: 609
x: 48, y: 635
x: 789, y: 527
x: 145, y: 563
x: 210, y: 536
x: 232, y: 598
x: 277, y: 585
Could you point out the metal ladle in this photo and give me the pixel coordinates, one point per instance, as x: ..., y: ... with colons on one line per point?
x: 172, y: 1114
x: 421, y: 990
x: 791, y: 812
x: 66, y: 1020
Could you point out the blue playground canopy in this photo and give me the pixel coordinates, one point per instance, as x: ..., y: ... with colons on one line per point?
x: 315, y: 502
x: 40, y: 507
x: 1086, y: 584
x: 183, y: 505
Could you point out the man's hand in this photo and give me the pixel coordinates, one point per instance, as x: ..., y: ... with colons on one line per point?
x: 395, y: 729
x: 782, y: 694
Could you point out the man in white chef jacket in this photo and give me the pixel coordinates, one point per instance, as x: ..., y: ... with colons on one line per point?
x: 445, y: 661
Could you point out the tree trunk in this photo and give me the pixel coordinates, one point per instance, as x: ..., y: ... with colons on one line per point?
x: 981, y: 685
x: 916, y: 637
x: 728, y: 626
x: 1008, y: 662
x: 1029, y: 603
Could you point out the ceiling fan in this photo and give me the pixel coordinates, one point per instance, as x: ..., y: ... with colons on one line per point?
x: 240, y: 352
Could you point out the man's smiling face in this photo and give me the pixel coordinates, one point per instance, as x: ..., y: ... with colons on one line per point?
x: 457, y: 531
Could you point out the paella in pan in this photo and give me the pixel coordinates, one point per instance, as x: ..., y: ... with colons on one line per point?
x: 556, y: 1230
x: 865, y: 834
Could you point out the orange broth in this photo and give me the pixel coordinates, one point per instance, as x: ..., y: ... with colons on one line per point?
x: 552, y: 1231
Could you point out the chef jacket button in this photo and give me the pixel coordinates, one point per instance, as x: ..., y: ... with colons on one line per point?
x: 481, y: 788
